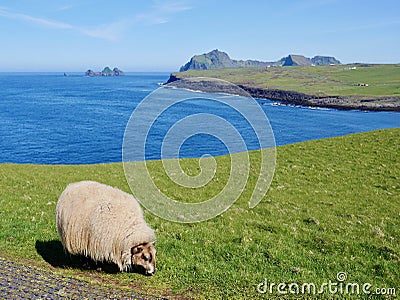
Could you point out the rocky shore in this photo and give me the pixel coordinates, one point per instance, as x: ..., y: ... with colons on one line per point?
x: 291, y: 97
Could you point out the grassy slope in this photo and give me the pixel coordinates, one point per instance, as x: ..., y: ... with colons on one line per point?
x: 383, y: 80
x: 334, y: 205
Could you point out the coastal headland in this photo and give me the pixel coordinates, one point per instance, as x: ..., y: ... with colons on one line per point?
x: 303, y: 86
x: 321, y: 81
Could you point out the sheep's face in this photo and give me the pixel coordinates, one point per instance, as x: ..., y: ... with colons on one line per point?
x: 144, y: 255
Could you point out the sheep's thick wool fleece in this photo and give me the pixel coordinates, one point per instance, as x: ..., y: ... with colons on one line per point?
x: 100, y: 221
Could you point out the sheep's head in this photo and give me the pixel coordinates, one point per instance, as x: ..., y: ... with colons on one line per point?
x: 144, y: 256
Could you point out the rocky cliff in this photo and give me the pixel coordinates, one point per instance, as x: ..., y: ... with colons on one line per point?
x: 289, y: 97
x: 297, y: 60
x: 220, y: 60
x: 300, y: 60
x: 324, y: 60
x: 106, y: 72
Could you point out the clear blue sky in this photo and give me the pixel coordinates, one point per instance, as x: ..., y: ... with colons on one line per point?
x: 155, y: 35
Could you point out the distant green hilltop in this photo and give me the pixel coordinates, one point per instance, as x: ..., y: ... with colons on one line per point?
x: 220, y: 60
x: 106, y: 72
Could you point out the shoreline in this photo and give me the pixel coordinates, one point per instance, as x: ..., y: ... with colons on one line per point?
x: 291, y: 97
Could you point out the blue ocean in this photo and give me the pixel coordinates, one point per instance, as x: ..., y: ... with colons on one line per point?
x: 49, y: 118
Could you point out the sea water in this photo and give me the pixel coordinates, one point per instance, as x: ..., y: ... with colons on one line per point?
x: 49, y: 118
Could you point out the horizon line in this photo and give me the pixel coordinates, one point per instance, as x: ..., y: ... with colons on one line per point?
x: 165, y: 71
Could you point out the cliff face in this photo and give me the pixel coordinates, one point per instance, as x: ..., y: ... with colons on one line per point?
x: 300, y: 60
x: 325, y: 60
x: 290, y: 97
x: 297, y: 60
x: 220, y: 60
x: 215, y: 86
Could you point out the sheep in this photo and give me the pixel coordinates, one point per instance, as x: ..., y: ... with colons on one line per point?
x: 105, y: 224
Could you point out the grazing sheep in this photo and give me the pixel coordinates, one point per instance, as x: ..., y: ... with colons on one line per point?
x: 105, y: 224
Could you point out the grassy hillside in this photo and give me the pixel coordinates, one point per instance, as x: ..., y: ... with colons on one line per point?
x: 333, y: 206
x: 339, y: 80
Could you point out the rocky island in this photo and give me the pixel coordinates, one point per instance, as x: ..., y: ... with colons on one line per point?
x: 106, y: 72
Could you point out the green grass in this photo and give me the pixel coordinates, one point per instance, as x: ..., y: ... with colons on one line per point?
x: 339, y: 80
x: 333, y: 206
